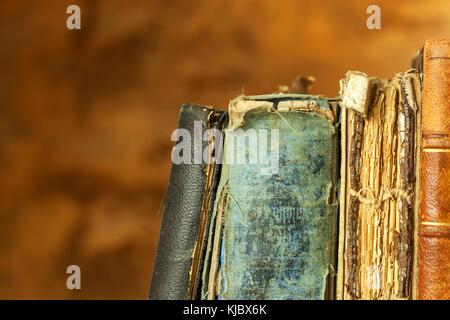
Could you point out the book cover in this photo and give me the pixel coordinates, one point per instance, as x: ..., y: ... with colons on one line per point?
x: 276, y: 212
x: 434, y: 211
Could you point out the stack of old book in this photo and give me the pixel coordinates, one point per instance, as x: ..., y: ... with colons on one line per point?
x: 294, y: 196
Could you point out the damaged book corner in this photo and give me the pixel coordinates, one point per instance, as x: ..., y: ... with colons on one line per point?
x: 296, y: 196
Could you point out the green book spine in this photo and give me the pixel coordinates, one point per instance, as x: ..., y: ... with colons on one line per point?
x: 279, y: 215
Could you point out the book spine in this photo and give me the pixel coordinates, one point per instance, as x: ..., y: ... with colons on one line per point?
x: 182, y: 211
x: 279, y: 235
x: 434, y: 206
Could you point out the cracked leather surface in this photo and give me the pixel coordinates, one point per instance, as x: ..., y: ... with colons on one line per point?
x: 182, y: 208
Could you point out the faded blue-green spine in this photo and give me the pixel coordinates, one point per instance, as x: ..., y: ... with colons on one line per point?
x: 279, y: 230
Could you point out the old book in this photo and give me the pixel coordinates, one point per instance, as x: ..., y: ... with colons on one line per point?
x: 434, y: 211
x: 275, y: 230
x: 188, y: 204
x: 378, y: 185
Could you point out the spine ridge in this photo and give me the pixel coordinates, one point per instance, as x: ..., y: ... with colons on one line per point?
x: 434, y: 203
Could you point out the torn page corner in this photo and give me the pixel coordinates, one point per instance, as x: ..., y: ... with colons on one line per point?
x: 239, y: 107
x: 355, y: 91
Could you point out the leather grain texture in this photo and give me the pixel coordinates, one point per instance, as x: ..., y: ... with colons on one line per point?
x: 182, y: 209
x: 434, y: 210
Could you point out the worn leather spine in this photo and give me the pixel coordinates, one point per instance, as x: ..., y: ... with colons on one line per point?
x: 182, y: 210
x: 213, y: 168
x: 434, y: 207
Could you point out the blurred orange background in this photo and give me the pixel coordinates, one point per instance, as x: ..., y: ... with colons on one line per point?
x: 86, y: 116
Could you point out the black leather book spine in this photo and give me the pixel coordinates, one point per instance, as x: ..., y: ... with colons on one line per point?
x: 182, y: 210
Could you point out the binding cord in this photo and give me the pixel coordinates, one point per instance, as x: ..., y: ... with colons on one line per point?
x: 385, y: 194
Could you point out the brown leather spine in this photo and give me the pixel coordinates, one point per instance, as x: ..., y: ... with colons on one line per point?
x: 434, y: 208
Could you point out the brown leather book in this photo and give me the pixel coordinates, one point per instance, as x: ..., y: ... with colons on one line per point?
x: 434, y: 201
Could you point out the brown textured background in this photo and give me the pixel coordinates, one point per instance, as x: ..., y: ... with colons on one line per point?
x: 86, y: 116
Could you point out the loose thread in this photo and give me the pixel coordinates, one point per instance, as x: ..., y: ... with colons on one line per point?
x: 237, y: 204
x: 285, y: 121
